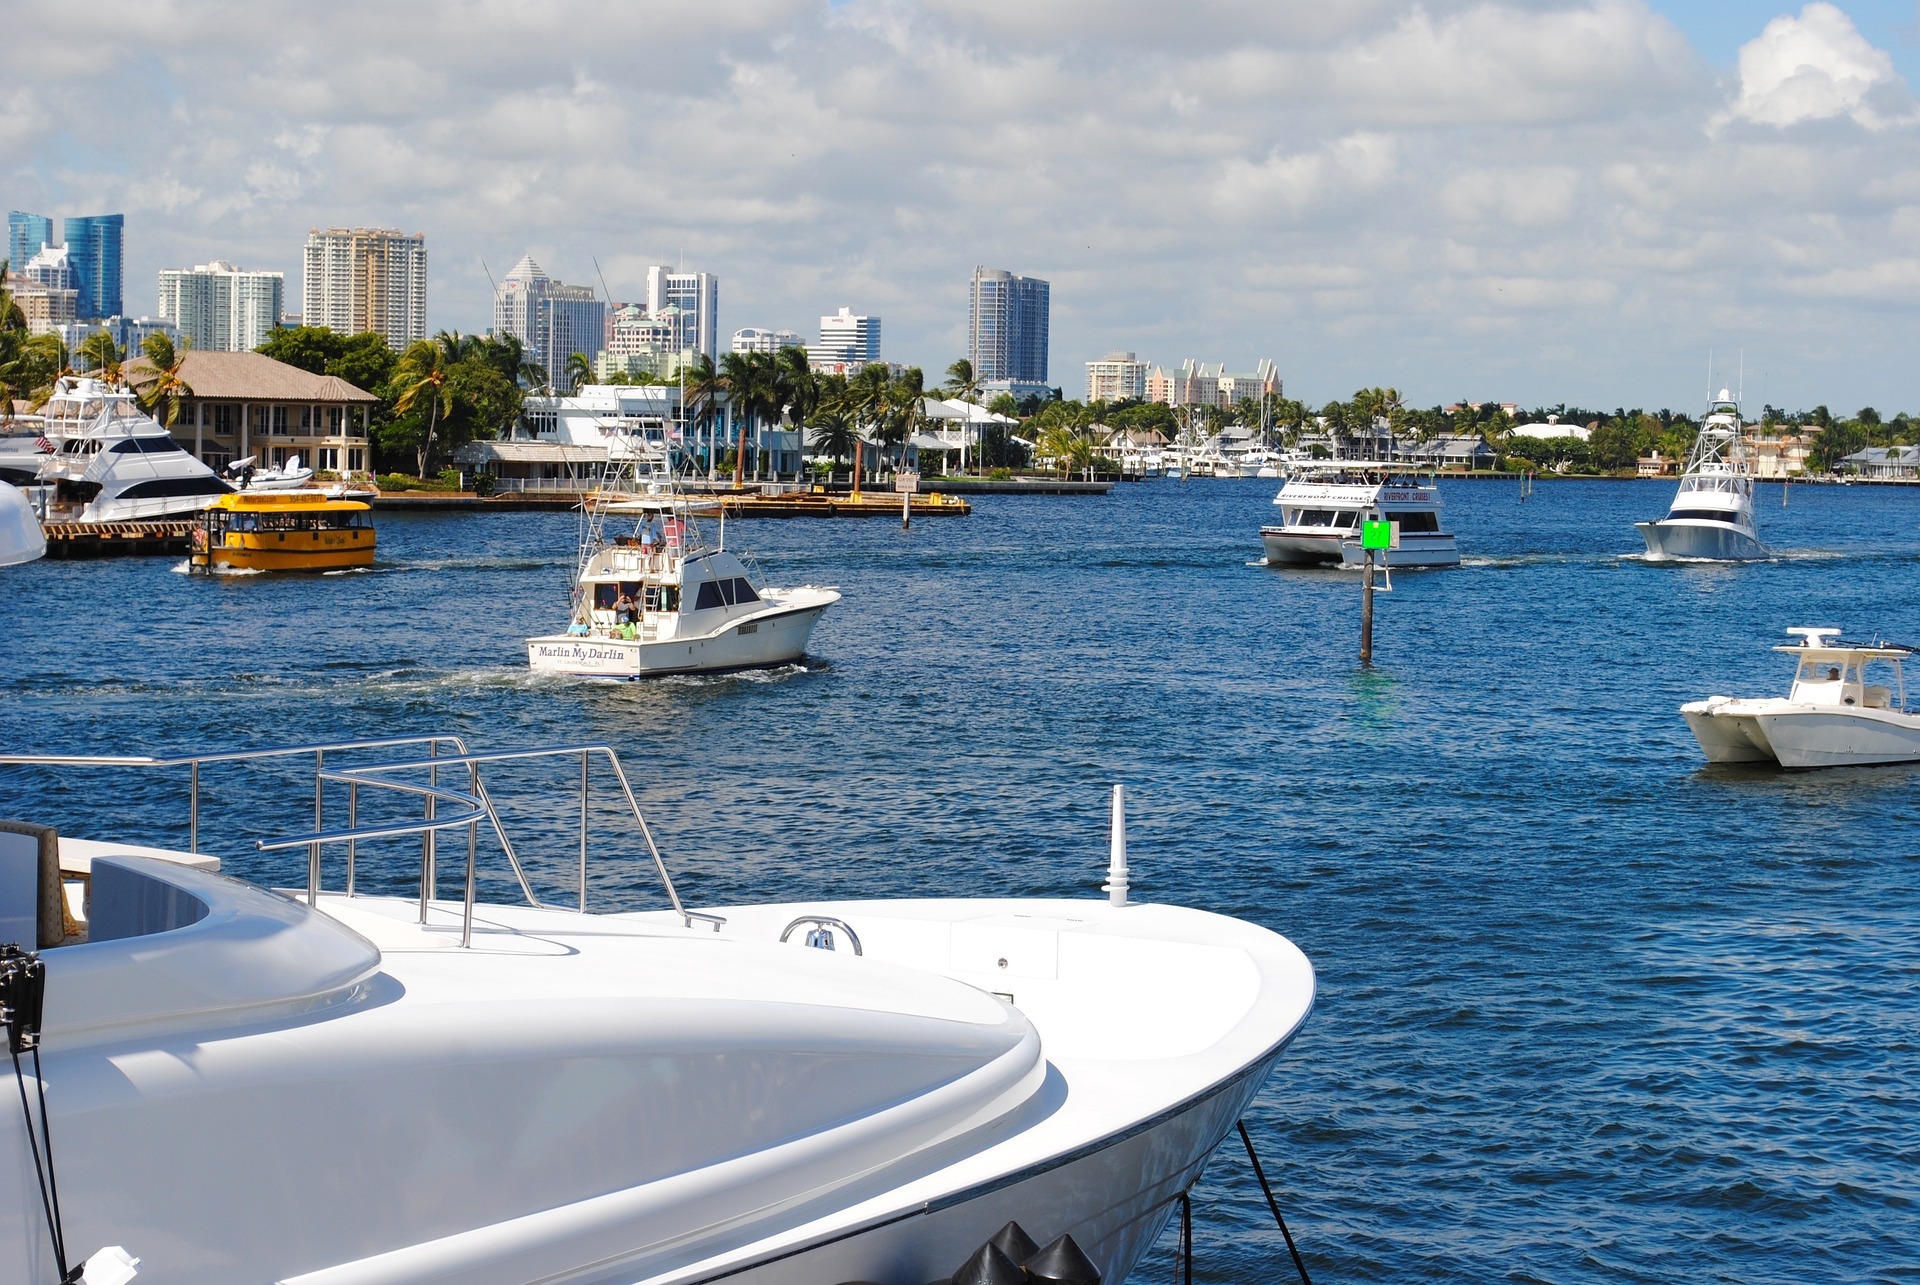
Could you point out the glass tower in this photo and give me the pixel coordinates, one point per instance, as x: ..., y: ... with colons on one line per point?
x: 26, y: 233
x: 93, y: 250
x: 1007, y: 326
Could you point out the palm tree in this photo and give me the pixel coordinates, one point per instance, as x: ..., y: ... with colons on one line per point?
x: 703, y: 389
x: 99, y: 353
x: 867, y: 398
x: 833, y: 432
x: 161, y: 382
x: 906, y: 410
x: 424, y: 371
x: 579, y: 371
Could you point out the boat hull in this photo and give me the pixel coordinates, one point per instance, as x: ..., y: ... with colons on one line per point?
x: 1802, y: 736
x: 1414, y: 551
x: 1138, y: 1178
x: 1300, y: 548
x: 1693, y: 540
x: 329, y: 551
x: 1296, y: 548
x: 769, y: 639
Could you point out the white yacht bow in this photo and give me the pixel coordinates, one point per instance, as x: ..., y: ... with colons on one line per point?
x: 422, y: 1088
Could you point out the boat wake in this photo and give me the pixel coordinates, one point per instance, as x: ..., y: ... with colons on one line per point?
x: 184, y: 568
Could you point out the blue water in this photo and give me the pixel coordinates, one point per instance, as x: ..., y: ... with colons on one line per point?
x: 1589, y: 1011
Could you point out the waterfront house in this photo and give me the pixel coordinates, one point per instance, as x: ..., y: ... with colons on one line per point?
x: 248, y: 404
x: 1884, y: 463
x: 1782, y: 456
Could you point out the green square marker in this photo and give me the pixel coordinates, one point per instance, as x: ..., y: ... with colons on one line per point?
x: 1376, y: 535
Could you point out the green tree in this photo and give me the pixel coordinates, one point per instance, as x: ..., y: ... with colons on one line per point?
x: 160, y: 386
x: 98, y: 353
x: 425, y: 373
x: 579, y: 371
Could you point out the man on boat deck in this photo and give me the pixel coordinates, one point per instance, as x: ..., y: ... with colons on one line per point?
x: 648, y: 538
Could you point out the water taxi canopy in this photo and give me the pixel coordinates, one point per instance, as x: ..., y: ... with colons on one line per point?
x: 1833, y: 672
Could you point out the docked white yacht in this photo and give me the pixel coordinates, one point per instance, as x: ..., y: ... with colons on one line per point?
x: 1711, y: 518
x: 246, y: 474
x: 652, y: 598
x: 1834, y: 715
x: 115, y: 463
x: 320, y: 1085
x: 1323, y: 502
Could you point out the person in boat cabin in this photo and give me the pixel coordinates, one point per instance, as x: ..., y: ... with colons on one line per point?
x: 624, y: 610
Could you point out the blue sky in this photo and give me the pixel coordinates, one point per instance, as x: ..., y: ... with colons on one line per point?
x: 1529, y: 200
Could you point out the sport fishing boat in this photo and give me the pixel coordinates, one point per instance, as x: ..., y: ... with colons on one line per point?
x: 283, y: 531
x: 115, y: 463
x: 1323, y: 502
x: 423, y: 1087
x: 1711, y: 518
x: 1835, y: 714
x: 651, y: 597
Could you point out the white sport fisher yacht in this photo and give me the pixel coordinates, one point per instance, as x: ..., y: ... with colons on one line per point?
x: 1711, y: 518
x: 325, y: 1085
x: 1835, y: 714
x: 651, y: 597
x: 1323, y: 503
x: 115, y: 463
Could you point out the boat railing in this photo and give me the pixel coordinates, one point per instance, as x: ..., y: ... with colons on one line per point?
x: 443, y: 808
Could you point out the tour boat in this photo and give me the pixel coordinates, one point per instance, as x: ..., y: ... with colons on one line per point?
x: 21, y: 539
x: 115, y: 463
x: 323, y: 1084
x: 1712, y: 517
x: 1323, y: 502
x: 283, y: 531
x: 652, y: 598
x: 1833, y: 716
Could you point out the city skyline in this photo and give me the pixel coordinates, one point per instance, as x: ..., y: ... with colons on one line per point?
x: 1541, y: 202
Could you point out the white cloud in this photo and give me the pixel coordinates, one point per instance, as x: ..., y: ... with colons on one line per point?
x: 1439, y: 195
x: 1818, y: 67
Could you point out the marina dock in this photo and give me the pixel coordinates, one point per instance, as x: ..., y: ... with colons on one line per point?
x: 115, y: 539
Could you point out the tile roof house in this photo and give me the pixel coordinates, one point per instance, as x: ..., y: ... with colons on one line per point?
x: 246, y: 403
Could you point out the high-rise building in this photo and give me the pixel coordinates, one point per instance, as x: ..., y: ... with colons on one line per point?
x: 361, y: 279
x: 755, y: 339
x: 26, y: 233
x: 847, y: 340
x: 94, y: 252
x: 1116, y: 377
x: 1007, y: 327
x: 43, y: 289
x: 697, y: 296
x: 551, y: 319
x: 220, y: 308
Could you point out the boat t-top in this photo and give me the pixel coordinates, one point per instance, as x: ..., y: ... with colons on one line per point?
x: 246, y: 474
x: 1836, y: 713
x: 1711, y: 519
x: 352, y: 1081
x: 1323, y: 503
x: 651, y: 597
x: 115, y: 463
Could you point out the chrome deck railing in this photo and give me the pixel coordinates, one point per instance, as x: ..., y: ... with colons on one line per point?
x: 473, y: 806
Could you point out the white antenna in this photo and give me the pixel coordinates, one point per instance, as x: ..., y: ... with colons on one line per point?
x: 1709, y: 375
x: 1740, y: 389
x: 603, y: 278
x: 1117, y: 880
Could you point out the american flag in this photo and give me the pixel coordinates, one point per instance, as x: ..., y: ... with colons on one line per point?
x: 46, y: 447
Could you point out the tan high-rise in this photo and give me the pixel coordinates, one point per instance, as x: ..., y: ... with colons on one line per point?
x: 360, y: 279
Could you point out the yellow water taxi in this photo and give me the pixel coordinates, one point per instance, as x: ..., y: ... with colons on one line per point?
x: 283, y: 531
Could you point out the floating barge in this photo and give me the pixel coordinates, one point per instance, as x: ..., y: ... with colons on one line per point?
x: 118, y: 539
x: 821, y: 504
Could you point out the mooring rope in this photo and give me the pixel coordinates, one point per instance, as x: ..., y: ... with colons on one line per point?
x: 1272, y: 1204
